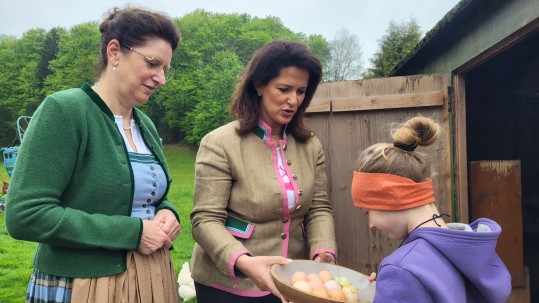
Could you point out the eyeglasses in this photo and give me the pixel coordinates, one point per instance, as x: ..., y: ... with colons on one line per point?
x: 155, y: 65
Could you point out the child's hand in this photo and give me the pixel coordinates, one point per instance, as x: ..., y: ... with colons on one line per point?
x: 372, y: 277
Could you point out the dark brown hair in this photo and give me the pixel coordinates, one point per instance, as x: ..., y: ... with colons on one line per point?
x: 133, y: 27
x: 265, y: 65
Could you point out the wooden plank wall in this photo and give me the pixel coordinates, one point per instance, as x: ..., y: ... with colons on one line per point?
x: 352, y: 115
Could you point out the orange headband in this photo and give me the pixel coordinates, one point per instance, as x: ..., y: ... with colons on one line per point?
x: 389, y: 192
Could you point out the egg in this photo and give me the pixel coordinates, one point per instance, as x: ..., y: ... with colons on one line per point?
x: 332, y: 284
x: 316, y: 284
x: 298, y: 276
x: 313, y: 277
x: 343, y: 281
x: 336, y: 294
x: 303, y: 286
x: 325, y: 275
x: 351, y: 293
x: 320, y: 292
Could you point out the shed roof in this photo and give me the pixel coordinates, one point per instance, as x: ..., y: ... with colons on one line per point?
x: 464, y: 9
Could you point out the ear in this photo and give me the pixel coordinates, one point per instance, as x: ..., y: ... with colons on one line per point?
x: 113, y: 52
x: 258, y: 88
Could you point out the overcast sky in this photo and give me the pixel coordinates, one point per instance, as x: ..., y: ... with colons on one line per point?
x: 368, y: 19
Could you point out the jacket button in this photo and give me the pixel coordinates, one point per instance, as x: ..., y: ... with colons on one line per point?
x: 294, y: 176
x: 285, y: 220
x: 283, y: 236
x: 300, y: 192
x: 289, y: 162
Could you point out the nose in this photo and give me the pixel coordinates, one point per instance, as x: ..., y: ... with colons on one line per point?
x: 159, y: 78
x: 292, y: 99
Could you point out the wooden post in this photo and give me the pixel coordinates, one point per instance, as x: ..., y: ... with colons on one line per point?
x: 495, y: 193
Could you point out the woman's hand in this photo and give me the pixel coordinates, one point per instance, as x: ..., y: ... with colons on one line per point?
x: 258, y: 270
x: 372, y: 277
x: 169, y: 223
x: 153, y: 237
x: 325, y: 257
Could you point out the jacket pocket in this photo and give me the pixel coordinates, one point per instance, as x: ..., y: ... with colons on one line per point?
x: 239, y: 228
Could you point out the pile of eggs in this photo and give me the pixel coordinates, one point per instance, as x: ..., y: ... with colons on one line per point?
x: 325, y: 285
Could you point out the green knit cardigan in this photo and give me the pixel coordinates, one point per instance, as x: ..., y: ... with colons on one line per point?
x: 72, y: 186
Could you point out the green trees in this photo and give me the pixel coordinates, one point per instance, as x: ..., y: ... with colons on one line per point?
x: 78, y: 51
x: 48, y: 53
x: 320, y: 47
x: 19, y: 87
x: 218, y: 79
x: 211, y: 56
x: 398, y: 41
x: 212, y: 52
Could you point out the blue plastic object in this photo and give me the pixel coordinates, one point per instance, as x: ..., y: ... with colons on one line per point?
x: 9, y: 154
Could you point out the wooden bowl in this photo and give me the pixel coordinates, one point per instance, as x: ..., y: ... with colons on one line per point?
x: 282, y: 273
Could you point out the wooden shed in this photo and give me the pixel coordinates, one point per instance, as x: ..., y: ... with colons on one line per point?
x: 476, y: 72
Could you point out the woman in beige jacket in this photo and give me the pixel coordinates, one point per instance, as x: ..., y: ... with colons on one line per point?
x: 260, y: 192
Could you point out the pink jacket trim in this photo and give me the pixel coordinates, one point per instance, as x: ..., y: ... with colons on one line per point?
x: 243, y: 293
x: 233, y: 262
x: 242, y: 235
x: 326, y: 250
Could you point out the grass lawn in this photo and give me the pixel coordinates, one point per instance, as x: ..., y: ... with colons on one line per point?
x: 16, y: 256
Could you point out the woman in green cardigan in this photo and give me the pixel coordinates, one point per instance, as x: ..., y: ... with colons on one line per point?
x: 91, y: 181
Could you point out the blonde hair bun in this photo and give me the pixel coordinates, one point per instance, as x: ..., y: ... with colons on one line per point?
x: 417, y: 131
x: 400, y: 158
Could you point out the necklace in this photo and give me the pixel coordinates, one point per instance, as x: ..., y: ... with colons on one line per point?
x: 129, y: 127
x: 434, y: 217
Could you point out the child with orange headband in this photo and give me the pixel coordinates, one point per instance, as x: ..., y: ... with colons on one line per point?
x: 437, y: 261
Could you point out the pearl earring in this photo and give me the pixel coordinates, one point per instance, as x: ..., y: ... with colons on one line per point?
x: 114, y: 68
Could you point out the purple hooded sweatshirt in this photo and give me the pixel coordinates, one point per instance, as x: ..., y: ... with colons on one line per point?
x: 456, y: 264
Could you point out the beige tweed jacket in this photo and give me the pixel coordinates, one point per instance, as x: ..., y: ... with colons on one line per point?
x: 240, y: 204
